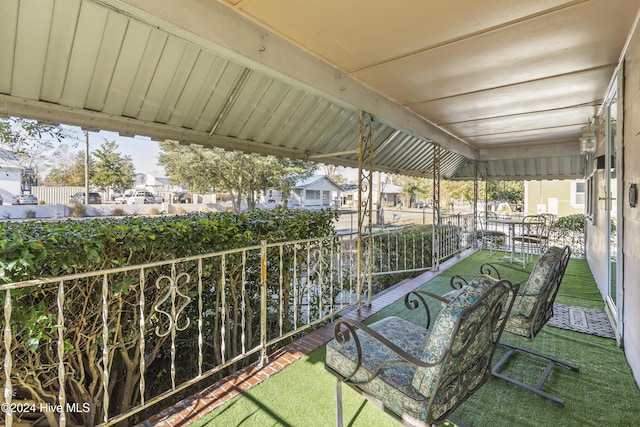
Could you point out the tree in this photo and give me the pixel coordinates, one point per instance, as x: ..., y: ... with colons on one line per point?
x: 332, y: 172
x: 111, y: 169
x: 68, y: 169
x: 510, y: 191
x: 17, y: 134
x: 31, y: 140
x: 415, y: 187
x: 241, y: 175
x: 461, y: 190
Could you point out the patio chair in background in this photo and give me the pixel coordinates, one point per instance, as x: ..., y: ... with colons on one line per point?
x: 548, y: 220
x: 530, y: 239
x: 539, y: 234
x: 492, y: 238
x: 416, y: 374
x: 532, y: 310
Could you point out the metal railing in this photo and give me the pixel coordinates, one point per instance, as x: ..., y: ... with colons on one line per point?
x: 100, y: 347
x: 458, y: 232
x: 564, y: 231
x: 402, y: 250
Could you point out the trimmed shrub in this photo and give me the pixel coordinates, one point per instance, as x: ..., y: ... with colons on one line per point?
x: 36, y: 249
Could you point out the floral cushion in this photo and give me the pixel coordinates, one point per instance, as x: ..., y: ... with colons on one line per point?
x: 392, y: 386
x: 540, y: 276
x: 440, y: 338
x: 519, y: 325
x: 406, y: 389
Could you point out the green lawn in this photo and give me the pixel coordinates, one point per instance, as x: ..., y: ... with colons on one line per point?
x: 603, y: 393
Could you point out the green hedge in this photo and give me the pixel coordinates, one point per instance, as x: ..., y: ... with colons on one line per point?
x: 37, y: 249
x: 570, y: 223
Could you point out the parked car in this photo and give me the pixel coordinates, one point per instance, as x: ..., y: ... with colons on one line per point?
x: 94, y: 198
x: 125, y: 196
x: 141, y: 196
x: 1, y: 200
x: 182, y: 197
x: 24, y: 199
x: 424, y: 203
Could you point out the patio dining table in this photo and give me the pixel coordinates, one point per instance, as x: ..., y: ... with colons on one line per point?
x: 511, y: 223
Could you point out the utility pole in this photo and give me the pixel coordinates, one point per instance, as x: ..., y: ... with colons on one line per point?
x: 86, y: 167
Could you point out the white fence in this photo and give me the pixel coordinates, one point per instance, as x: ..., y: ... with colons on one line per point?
x: 55, y: 195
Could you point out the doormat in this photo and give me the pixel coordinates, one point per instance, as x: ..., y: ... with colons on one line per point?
x: 580, y: 319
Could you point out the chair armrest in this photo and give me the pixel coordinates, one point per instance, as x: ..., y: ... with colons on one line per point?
x: 459, y: 280
x: 344, y: 330
x: 493, y: 270
x: 489, y: 268
x: 412, y: 301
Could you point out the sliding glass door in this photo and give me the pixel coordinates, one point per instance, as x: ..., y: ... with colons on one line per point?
x: 613, y: 203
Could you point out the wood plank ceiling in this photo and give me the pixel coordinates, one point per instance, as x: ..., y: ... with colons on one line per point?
x: 505, y: 82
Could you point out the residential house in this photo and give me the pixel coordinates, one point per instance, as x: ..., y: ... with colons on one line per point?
x: 390, y: 195
x: 558, y: 197
x: 318, y: 191
x: 11, y: 172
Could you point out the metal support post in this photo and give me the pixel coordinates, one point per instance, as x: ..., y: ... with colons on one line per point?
x: 475, y: 204
x: 436, y: 219
x: 365, y: 206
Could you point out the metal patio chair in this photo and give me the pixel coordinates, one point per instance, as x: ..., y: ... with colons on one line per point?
x: 532, y: 310
x: 492, y: 238
x: 530, y: 239
x: 420, y: 375
x: 542, y: 234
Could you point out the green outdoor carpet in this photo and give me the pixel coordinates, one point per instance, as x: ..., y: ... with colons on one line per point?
x: 603, y: 393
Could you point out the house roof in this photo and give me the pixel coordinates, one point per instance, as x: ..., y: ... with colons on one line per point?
x: 9, y: 160
x: 389, y: 188
x: 316, y: 180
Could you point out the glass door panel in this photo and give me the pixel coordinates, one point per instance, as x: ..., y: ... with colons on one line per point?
x: 613, y: 203
x: 611, y: 186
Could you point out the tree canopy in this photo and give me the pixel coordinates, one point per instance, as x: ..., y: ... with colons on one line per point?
x: 31, y: 140
x: 239, y: 174
x: 111, y: 169
x: 18, y: 134
x: 66, y: 168
x: 107, y: 167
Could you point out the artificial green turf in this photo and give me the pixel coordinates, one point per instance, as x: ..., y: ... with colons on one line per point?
x: 302, y: 395
x: 578, y: 286
x: 603, y: 393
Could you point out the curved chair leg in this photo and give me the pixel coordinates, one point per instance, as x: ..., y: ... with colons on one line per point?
x: 537, y: 389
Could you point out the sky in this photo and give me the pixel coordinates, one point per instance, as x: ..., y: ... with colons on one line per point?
x: 143, y: 151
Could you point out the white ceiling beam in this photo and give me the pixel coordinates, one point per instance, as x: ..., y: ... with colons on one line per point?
x: 218, y: 28
x: 559, y: 149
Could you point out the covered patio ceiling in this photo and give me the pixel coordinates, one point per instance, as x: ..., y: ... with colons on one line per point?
x: 506, y: 82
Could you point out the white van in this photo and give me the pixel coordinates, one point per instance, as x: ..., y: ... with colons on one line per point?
x: 142, y: 197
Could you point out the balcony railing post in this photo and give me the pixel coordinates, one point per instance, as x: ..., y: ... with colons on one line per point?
x: 458, y: 242
x: 8, y: 361
x: 105, y: 347
x: 62, y: 397
x: 263, y: 304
